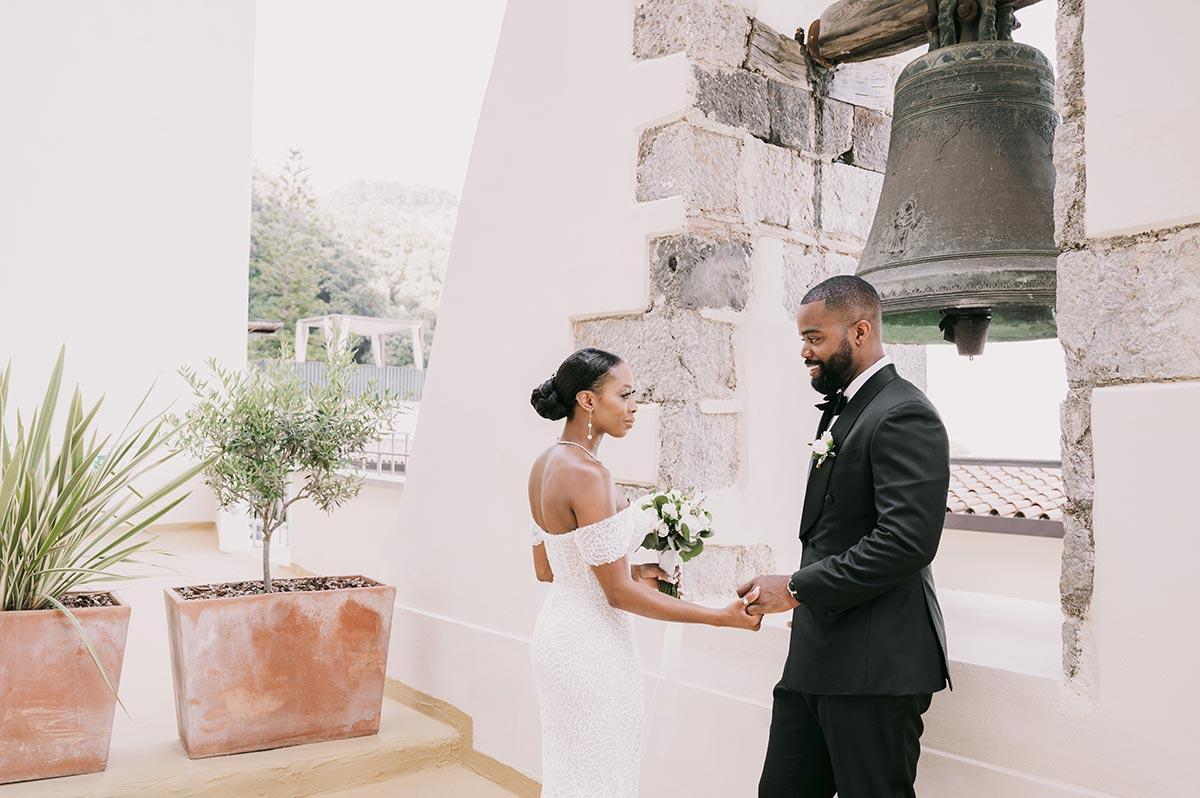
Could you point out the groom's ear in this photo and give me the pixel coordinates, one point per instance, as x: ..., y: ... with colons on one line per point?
x: 862, y: 331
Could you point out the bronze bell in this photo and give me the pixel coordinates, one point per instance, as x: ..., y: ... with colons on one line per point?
x: 962, y: 246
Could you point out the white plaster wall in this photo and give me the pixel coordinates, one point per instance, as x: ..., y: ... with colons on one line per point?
x: 1143, y: 115
x: 1016, y: 566
x: 125, y: 198
x: 548, y: 229
x: 1013, y: 733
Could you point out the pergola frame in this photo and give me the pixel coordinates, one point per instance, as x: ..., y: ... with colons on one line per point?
x: 339, y: 329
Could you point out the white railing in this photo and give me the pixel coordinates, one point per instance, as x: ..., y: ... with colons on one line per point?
x: 403, y: 381
x: 387, y: 458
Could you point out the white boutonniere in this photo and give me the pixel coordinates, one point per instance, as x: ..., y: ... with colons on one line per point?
x: 822, y: 449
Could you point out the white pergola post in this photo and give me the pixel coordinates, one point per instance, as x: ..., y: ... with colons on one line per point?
x: 377, y: 350
x: 418, y: 344
x: 301, y: 353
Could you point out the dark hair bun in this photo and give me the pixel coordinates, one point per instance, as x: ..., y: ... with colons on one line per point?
x: 585, y: 370
x: 546, y: 402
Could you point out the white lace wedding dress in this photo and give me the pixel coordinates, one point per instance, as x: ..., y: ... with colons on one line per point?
x: 586, y: 666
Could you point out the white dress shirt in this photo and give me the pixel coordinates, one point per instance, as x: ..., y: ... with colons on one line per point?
x: 861, y: 380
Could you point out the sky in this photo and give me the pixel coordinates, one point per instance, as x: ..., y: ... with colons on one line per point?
x: 372, y: 89
x: 391, y: 90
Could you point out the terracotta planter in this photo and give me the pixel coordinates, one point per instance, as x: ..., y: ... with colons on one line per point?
x: 266, y: 671
x: 56, y: 712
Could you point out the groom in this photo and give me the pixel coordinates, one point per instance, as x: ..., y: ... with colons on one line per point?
x: 868, y: 646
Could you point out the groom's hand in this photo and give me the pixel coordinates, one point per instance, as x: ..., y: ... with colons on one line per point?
x: 773, y: 595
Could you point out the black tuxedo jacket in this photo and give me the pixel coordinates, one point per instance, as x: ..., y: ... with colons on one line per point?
x: 869, y: 621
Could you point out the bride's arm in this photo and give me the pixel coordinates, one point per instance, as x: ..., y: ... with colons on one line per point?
x: 592, y: 501
x: 625, y: 594
x: 541, y: 564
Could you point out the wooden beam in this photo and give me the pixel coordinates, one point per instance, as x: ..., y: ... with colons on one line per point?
x: 859, y: 30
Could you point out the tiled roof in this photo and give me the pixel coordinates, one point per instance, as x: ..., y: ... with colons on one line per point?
x: 1006, y: 489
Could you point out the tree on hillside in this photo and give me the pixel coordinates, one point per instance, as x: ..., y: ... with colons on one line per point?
x: 299, y: 265
x: 405, y: 231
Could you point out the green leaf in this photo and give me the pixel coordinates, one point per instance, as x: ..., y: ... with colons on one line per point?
x: 692, y: 552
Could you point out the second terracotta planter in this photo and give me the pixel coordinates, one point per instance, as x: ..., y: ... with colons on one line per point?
x: 278, y: 669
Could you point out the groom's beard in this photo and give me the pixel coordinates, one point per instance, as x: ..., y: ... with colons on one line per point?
x: 834, y: 373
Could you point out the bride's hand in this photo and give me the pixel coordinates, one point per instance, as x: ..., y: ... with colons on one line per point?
x: 736, y: 616
x: 648, y: 574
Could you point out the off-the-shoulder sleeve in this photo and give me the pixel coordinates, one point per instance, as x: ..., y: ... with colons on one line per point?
x: 535, y: 534
x: 604, y: 541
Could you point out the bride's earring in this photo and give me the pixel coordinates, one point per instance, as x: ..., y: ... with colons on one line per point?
x: 589, y: 425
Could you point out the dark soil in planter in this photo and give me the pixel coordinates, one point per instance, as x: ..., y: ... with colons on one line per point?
x: 76, y: 600
x: 254, y: 588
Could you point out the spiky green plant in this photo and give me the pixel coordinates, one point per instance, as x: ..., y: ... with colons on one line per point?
x: 73, y: 503
x: 262, y: 428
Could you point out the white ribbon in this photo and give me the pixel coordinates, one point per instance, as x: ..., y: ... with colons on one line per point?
x: 664, y: 709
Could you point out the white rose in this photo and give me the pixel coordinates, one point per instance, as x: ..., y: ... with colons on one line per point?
x: 662, y: 530
x: 820, y: 446
x: 691, y: 522
x: 669, y: 510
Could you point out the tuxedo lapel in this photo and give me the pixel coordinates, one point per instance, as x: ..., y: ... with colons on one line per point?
x: 818, y: 477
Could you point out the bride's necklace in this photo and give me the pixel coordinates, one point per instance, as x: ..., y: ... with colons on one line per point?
x: 579, y: 445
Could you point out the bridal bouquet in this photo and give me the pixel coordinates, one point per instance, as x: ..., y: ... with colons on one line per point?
x: 681, y: 529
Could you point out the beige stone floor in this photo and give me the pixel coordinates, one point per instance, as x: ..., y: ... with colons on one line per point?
x: 413, y: 755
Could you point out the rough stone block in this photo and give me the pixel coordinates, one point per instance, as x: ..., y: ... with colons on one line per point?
x: 1127, y: 309
x: 682, y: 160
x: 1079, y: 560
x: 872, y: 137
x: 912, y: 361
x: 699, y: 450
x: 1069, y: 59
x: 836, y: 136
x: 838, y: 263
x: 733, y: 97
x: 675, y: 357
x: 1070, y: 185
x: 776, y: 187
x: 803, y: 267
x: 791, y: 116
x: 707, y: 30
x: 1075, y: 416
x: 1074, y: 635
x: 718, y: 571
x: 848, y: 199
x: 698, y: 271
x: 870, y: 84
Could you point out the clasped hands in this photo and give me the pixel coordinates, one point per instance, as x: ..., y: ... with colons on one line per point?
x: 773, y: 595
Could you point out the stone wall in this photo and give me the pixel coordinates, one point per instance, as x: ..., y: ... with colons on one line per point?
x: 765, y: 151
x: 1126, y: 314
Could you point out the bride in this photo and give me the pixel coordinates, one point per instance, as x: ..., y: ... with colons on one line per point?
x: 585, y: 659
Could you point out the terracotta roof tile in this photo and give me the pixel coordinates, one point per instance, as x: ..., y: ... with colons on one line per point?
x: 1007, y: 490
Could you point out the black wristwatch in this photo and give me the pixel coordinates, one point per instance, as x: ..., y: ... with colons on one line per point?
x: 792, y: 589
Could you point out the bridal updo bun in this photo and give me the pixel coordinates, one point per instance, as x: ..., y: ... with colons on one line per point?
x: 546, y: 402
x: 584, y: 370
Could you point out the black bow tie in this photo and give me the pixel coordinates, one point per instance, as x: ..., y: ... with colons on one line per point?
x: 834, y: 403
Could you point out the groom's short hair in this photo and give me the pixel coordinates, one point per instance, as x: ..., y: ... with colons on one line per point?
x: 851, y: 297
